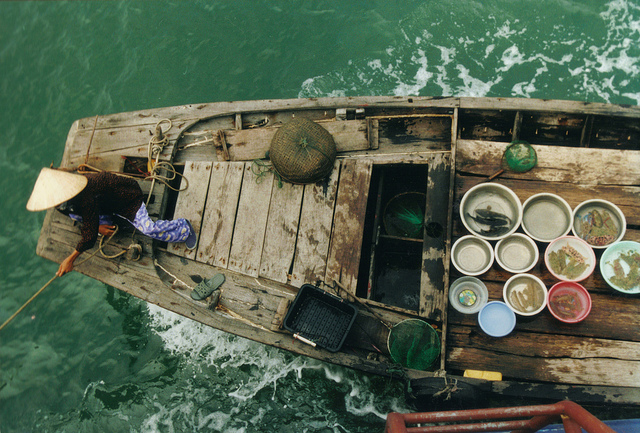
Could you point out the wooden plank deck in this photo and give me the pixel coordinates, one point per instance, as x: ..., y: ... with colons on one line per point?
x: 604, y: 349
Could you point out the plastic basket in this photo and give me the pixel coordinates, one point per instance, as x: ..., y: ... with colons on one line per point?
x: 320, y: 317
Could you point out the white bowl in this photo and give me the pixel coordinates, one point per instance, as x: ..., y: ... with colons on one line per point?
x: 468, y: 295
x: 517, y: 253
x: 472, y: 255
x: 564, y: 254
x: 546, y: 217
x: 491, y: 211
x: 613, y: 259
x: 599, y: 222
x: 525, y: 294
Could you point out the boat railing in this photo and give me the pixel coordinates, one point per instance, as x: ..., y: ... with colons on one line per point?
x: 528, y: 419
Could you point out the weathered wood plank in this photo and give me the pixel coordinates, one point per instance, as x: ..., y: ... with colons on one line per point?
x: 410, y: 132
x: 314, y: 231
x: 547, y: 345
x: 348, y: 223
x: 191, y: 201
x: 220, y: 213
x: 132, y: 141
x: 548, y: 105
x: 560, y: 359
x: 555, y: 163
x: 185, y: 113
x: 282, y: 230
x: 433, y: 277
x: 251, y: 221
x: 249, y: 144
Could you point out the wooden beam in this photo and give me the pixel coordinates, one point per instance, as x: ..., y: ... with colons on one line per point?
x: 555, y: 163
x: 432, y: 293
x: 250, y: 144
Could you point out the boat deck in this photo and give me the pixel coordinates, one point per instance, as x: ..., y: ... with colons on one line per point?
x: 270, y: 238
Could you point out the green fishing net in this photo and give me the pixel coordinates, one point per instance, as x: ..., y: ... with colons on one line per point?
x: 404, y: 215
x: 414, y: 344
x: 520, y: 156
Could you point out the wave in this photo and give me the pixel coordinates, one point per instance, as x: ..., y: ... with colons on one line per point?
x: 235, y: 384
x: 565, y: 53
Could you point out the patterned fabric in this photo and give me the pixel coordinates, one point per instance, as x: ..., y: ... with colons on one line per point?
x: 102, y: 219
x: 163, y: 230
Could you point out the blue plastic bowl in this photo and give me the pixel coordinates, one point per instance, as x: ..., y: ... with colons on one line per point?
x: 496, y: 319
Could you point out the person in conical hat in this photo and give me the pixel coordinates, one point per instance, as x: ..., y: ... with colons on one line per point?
x: 93, y: 199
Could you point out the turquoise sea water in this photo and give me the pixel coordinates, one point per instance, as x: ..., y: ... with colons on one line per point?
x: 87, y: 358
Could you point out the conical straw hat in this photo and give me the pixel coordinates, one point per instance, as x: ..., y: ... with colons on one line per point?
x: 54, y: 187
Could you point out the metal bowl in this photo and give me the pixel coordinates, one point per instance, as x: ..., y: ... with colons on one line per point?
x: 491, y: 211
x: 613, y: 260
x: 546, y: 217
x: 496, y: 319
x: 517, y: 253
x: 468, y: 295
x: 569, y: 302
x: 525, y: 294
x: 472, y: 255
x: 599, y: 222
x: 570, y: 259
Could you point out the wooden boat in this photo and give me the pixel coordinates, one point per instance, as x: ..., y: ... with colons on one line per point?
x: 269, y: 240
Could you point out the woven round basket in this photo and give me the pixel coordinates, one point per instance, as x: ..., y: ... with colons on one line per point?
x: 302, y: 151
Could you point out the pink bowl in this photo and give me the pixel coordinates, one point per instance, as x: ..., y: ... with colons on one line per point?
x: 575, y: 247
x: 569, y: 302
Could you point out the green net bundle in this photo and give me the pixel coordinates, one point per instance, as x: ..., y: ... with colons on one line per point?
x: 414, y: 344
x: 302, y: 151
x: 520, y: 156
x: 404, y: 215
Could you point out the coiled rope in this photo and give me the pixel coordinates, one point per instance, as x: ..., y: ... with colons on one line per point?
x: 156, y: 146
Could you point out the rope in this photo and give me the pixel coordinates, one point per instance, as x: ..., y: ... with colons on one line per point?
x: 175, y: 279
x: 261, y: 168
x: 27, y: 303
x: 95, y: 123
x: 100, y: 249
x: 157, y: 143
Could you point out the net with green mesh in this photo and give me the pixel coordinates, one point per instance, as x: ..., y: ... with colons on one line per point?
x: 404, y: 215
x: 414, y: 344
x: 520, y: 156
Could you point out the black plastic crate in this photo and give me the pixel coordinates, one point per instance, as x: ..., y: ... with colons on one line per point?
x: 320, y: 317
